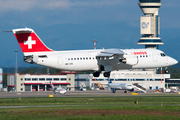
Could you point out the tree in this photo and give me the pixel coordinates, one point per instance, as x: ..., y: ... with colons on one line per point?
x: 4, y: 80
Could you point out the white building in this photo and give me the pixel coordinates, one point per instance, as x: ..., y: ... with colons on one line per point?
x: 146, y: 79
x: 150, y: 23
x: 29, y: 82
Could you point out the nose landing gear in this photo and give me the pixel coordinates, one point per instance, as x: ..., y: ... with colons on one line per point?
x: 166, y: 70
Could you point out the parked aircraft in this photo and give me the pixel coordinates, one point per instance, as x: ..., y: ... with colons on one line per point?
x: 56, y: 90
x: 119, y: 86
x: 107, y: 60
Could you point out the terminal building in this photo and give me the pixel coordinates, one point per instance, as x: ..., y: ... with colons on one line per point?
x: 27, y: 82
x: 147, y: 79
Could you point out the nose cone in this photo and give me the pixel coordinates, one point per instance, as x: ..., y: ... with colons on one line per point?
x: 172, y: 61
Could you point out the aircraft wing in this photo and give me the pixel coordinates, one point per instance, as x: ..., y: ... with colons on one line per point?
x: 110, y: 52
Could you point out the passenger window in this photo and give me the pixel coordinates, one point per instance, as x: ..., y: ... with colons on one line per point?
x: 74, y: 58
x: 77, y: 58
x: 83, y: 58
x: 86, y: 58
x: 71, y: 58
x: 80, y: 58
x: 90, y: 58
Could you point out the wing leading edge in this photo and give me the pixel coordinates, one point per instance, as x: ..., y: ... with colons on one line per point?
x: 110, y: 52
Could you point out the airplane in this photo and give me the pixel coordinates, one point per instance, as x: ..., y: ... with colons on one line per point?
x: 56, y: 90
x: 119, y: 86
x: 97, y: 60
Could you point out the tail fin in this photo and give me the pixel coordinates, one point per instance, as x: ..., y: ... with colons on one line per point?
x: 29, y: 41
x: 52, y: 86
x: 109, y: 80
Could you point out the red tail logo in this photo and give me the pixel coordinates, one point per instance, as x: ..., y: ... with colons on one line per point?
x: 29, y: 41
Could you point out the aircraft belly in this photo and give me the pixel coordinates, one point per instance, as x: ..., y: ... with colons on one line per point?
x: 80, y: 66
x: 114, y: 64
x: 122, y: 66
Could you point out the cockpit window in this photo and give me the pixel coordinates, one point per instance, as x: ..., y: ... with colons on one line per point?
x: 163, y: 55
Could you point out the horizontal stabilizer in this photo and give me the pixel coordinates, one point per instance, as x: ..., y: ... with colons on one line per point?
x: 23, y: 30
x: 7, y: 31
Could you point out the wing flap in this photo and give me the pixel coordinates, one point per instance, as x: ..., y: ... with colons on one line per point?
x: 110, y: 52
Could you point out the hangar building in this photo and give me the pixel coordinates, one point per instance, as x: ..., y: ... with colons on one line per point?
x: 27, y: 82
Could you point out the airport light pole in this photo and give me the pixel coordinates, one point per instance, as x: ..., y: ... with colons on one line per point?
x: 94, y: 41
x: 16, y: 70
x: 16, y: 61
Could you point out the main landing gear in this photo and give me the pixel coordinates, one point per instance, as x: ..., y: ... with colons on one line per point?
x: 96, y: 74
x: 113, y: 90
x: 106, y: 74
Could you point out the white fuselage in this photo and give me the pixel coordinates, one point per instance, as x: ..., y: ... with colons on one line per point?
x: 84, y: 60
x: 120, y: 86
x: 60, y: 90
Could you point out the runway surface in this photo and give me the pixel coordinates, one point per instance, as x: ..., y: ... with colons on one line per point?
x: 89, y: 93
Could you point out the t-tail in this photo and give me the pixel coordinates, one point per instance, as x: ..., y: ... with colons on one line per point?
x: 29, y: 41
x: 109, y: 80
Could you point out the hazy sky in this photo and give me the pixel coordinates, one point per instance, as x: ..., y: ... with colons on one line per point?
x: 73, y: 24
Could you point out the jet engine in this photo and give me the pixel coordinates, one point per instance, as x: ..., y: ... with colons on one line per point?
x: 129, y: 60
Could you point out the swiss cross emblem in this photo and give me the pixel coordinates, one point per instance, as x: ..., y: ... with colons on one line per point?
x: 29, y: 42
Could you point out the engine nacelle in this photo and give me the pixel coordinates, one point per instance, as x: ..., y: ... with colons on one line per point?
x: 129, y: 61
x: 28, y: 59
x: 31, y: 59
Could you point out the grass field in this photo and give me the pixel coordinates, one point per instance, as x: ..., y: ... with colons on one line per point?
x: 103, y: 108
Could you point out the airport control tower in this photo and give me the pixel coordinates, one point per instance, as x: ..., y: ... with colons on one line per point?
x: 150, y: 24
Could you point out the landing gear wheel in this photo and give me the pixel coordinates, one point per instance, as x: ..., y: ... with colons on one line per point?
x: 132, y: 90
x: 166, y: 71
x: 113, y: 90
x: 96, y: 74
x: 106, y: 74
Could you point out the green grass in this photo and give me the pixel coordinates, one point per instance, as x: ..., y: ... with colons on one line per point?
x: 167, y: 106
x: 111, y: 117
x: 91, y: 101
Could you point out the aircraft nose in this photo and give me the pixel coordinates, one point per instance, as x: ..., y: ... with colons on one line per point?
x: 172, y: 61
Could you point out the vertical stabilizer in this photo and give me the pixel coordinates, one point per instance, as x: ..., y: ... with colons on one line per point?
x: 109, y: 80
x: 29, y: 41
x: 52, y: 86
